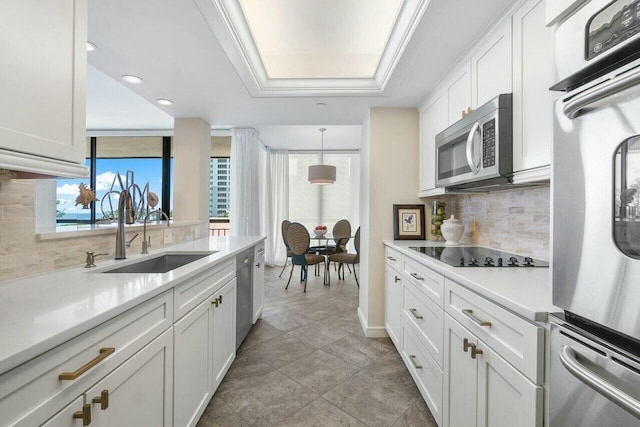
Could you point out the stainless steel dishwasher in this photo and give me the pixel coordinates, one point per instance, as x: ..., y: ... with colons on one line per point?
x: 244, y: 295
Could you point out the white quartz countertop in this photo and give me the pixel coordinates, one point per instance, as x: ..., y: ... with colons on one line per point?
x: 525, y: 291
x: 40, y: 312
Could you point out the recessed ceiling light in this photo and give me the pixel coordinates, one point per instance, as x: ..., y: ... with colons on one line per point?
x: 164, y: 101
x: 91, y: 47
x: 132, y: 79
x: 321, y: 104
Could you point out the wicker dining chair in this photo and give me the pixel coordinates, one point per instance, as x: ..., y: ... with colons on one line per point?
x: 341, y: 228
x: 298, y: 240
x: 284, y: 227
x: 343, y: 258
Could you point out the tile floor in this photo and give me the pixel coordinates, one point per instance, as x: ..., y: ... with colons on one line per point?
x: 307, y: 363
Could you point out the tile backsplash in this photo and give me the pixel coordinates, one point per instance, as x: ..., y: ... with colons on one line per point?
x: 515, y: 221
x: 21, y: 254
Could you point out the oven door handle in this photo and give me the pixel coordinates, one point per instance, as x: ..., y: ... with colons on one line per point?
x: 574, y: 106
x: 600, y: 385
x: 474, y: 129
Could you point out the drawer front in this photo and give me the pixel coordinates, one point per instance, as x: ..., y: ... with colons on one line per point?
x: 424, y: 370
x: 190, y: 294
x: 392, y: 257
x: 520, y: 342
x: 31, y: 393
x: 426, y: 318
x: 428, y: 281
x: 258, y: 250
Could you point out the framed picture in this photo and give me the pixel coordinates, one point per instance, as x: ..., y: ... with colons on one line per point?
x: 408, y: 222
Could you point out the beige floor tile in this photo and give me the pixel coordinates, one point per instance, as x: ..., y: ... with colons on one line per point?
x: 320, y: 371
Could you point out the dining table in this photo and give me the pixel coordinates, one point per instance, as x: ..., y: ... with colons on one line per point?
x: 319, y: 250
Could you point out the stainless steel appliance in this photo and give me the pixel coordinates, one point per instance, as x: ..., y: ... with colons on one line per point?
x: 477, y: 148
x: 596, y: 227
x: 244, y: 295
x: 477, y: 256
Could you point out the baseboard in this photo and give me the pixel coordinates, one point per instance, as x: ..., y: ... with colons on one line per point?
x: 371, y: 331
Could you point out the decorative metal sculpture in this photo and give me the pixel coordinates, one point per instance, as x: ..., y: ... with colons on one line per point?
x: 142, y: 199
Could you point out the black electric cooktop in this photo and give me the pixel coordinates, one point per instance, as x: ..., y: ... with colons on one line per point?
x: 476, y: 256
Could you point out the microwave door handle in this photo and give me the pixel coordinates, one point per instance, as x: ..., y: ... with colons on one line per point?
x: 474, y: 129
x: 575, y: 105
x: 568, y: 357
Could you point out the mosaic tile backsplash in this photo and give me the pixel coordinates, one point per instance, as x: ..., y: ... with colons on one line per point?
x: 515, y: 221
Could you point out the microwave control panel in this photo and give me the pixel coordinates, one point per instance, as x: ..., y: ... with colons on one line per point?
x: 489, y: 143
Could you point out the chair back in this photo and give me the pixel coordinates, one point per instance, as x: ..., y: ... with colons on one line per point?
x: 284, y: 227
x: 341, y: 228
x: 298, y: 239
x: 356, y: 243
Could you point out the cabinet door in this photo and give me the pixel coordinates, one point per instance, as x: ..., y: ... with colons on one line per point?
x: 224, y: 332
x: 140, y: 391
x: 460, y: 379
x: 533, y: 49
x: 433, y: 120
x: 458, y: 91
x: 393, y: 305
x: 65, y: 418
x: 505, y: 396
x: 44, y: 68
x: 258, y: 288
x: 193, y: 364
x: 491, y: 67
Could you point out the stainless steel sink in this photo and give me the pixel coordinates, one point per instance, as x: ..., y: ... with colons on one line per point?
x: 161, y: 264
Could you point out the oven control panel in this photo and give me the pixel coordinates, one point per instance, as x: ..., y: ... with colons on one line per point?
x: 613, y: 25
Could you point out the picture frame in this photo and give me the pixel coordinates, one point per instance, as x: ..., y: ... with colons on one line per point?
x: 408, y: 222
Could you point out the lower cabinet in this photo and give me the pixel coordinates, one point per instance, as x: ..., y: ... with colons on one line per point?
x: 393, y: 305
x: 481, y: 388
x: 224, y: 331
x: 69, y: 416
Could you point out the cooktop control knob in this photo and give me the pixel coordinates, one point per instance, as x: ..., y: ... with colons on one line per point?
x: 488, y: 261
x: 513, y: 262
x: 528, y: 262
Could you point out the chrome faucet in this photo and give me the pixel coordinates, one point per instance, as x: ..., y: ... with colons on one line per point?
x: 125, y: 207
x: 146, y: 244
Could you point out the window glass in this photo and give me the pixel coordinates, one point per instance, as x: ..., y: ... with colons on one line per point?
x: 67, y: 213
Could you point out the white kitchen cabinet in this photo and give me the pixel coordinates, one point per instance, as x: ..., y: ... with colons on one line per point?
x: 139, y: 392
x: 258, y: 284
x: 224, y: 331
x: 43, y: 86
x: 458, y: 92
x: 68, y: 416
x: 393, y: 305
x: 491, y: 66
x: 193, y: 363
x: 533, y: 58
x: 481, y: 388
x: 433, y: 120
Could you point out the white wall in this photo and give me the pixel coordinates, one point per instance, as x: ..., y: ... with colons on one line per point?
x: 308, y: 137
x: 390, y: 170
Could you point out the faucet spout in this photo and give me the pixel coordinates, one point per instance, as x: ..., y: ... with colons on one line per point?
x: 124, y: 204
x: 146, y: 244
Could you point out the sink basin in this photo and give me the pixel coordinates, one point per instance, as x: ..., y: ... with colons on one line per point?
x: 161, y: 264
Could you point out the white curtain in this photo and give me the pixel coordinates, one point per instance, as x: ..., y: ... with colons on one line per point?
x: 277, y: 205
x: 246, y: 182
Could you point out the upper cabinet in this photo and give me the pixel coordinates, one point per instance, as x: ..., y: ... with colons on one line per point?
x: 433, y: 119
x: 491, y: 67
x: 458, y: 90
x: 43, y: 86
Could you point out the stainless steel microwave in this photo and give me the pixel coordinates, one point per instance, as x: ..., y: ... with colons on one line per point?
x: 477, y: 148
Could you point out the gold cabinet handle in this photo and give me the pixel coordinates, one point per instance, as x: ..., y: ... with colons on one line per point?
x: 215, y: 302
x: 415, y: 276
x: 103, y: 399
x: 104, y: 353
x: 415, y: 314
x: 474, y: 351
x: 396, y: 279
x: 84, y: 415
x: 465, y: 345
x: 413, y: 361
x: 470, y: 315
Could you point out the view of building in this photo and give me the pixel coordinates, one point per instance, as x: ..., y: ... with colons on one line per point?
x: 219, y: 181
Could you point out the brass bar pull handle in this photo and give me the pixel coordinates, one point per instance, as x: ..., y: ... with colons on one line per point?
x: 415, y: 276
x: 84, y: 415
x: 215, y: 302
x: 465, y: 345
x: 470, y: 315
x: 415, y: 313
x: 104, y: 353
x: 103, y: 399
x: 414, y: 362
x: 390, y: 258
x: 474, y: 351
x: 396, y: 279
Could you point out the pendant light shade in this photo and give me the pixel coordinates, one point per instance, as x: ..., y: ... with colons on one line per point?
x: 322, y: 174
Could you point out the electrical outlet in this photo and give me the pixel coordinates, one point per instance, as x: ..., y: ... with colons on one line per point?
x: 167, y: 237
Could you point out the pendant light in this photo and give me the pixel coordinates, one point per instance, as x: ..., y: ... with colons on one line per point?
x: 322, y: 174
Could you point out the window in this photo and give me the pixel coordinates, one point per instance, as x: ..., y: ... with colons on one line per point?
x: 147, y: 157
x: 219, y: 174
x: 313, y: 204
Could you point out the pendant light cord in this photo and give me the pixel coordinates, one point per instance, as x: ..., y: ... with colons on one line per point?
x: 322, y: 146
